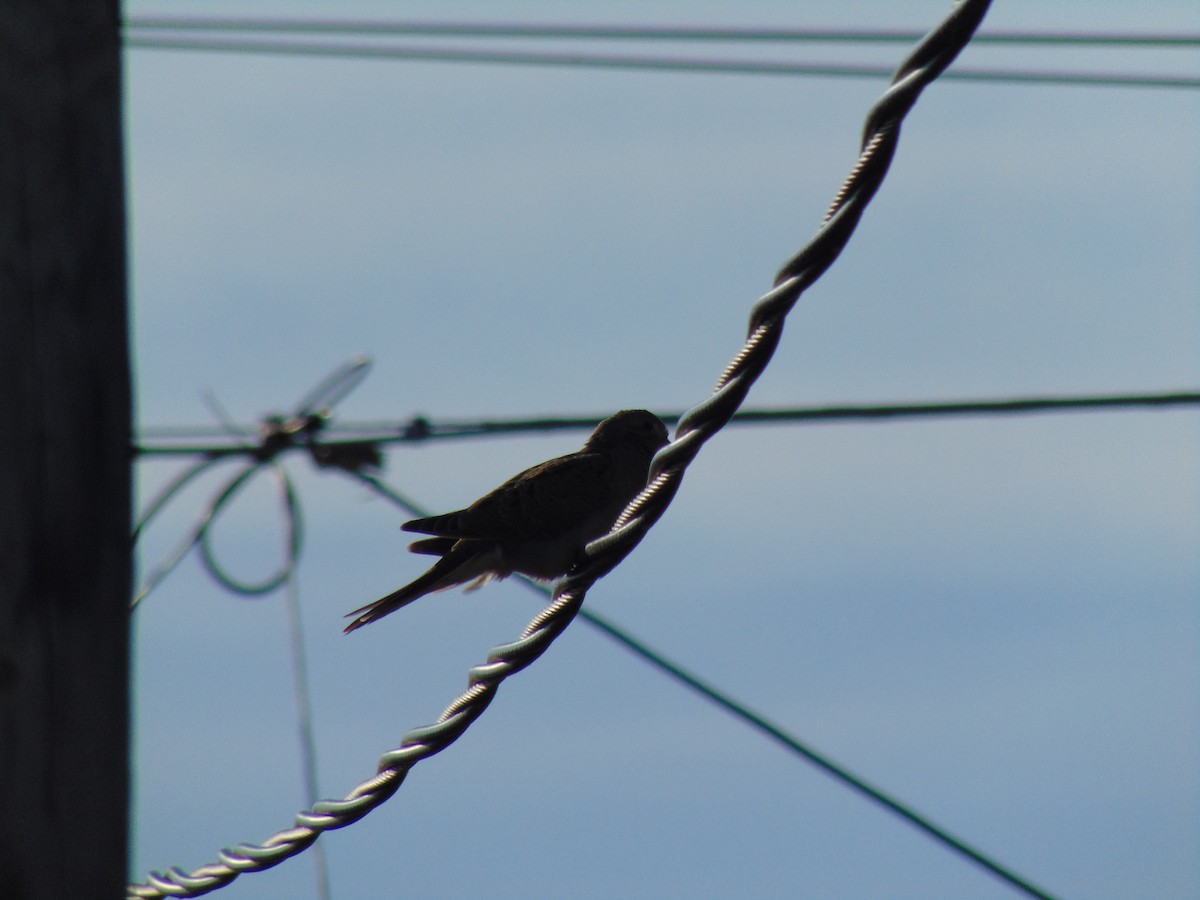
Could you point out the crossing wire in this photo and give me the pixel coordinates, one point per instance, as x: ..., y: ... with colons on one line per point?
x: 927, y: 61
x: 277, y: 434
x: 754, y: 719
x: 304, y: 430
x: 343, y: 437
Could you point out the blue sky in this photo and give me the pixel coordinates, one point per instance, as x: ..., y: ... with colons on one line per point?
x: 994, y: 619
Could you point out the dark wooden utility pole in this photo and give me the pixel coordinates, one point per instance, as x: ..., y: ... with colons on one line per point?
x: 65, y: 566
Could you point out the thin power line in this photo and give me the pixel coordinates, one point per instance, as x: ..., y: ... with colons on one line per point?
x: 421, y: 53
x: 613, y: 61
x: 304, y: 719
x: 640, y: 32
x: 184, y: 440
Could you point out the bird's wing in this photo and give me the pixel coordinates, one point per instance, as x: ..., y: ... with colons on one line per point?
x: 544, y: 501
x: 434, y: 546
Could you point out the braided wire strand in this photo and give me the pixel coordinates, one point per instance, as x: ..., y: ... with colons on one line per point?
x: 420, y: 743
x: 700, y: 423
x: 880, y: 136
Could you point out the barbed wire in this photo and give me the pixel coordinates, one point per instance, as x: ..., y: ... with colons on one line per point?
x: 923, y: 65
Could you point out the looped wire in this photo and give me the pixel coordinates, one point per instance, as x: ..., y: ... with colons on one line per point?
x: 291, y: 509
x: 276, y: 436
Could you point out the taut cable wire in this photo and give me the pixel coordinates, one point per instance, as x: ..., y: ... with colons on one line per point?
x: 924, y: 64
x: 748, y: 716
x: 342, y: 443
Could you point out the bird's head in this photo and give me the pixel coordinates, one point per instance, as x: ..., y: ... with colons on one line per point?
x: 636, y: 429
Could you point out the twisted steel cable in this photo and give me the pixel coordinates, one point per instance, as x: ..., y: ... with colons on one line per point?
x: 928, y: 60
x: 880, y: 136
x: 747, y: 716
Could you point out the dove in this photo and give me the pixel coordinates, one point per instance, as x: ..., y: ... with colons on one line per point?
x: 539, y: 521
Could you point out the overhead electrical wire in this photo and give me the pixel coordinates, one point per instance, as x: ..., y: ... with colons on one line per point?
x: 644, y: 63
x: 641, y: 32
x: 343, y: 39
x: 250, y: 857
x: 219, y: 442
x: 754, y: 720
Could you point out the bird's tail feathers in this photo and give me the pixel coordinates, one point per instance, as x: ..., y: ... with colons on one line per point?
x: 434, y: 546
x: 446, y: 525
x: 455, y: 568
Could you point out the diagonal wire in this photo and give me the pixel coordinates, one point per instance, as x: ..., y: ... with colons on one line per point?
x: 171, y: 490
x: 747, y: 716
x: 418, y: 744
x: 923, y: 65
x: 201, y: 533
x: 199, y: 529
x: 880, y: 137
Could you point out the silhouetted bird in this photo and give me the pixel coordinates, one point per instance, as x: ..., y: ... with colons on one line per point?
x: 538, y: 522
